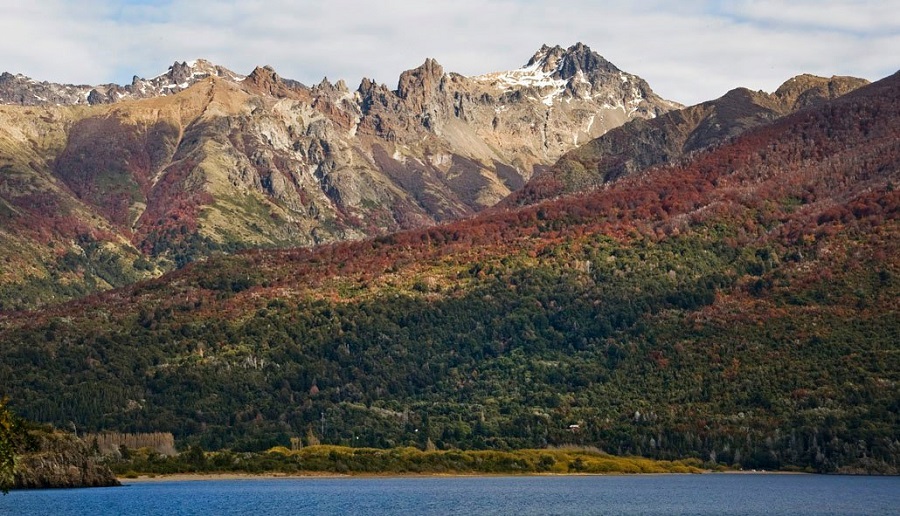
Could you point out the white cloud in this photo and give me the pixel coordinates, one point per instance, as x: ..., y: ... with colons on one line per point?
x: 860, y: 16
x: 688, y: 51
x: 49, y: 40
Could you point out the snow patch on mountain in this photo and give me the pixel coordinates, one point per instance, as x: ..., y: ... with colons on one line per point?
x: 531, y: 76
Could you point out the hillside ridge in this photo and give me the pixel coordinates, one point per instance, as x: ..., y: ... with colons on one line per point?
x: 639, y: 144
x: 736, y: 307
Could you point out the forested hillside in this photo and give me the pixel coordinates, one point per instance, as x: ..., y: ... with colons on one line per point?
x: 738, y: 307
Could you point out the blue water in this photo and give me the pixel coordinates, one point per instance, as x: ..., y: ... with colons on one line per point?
x: 662, y: 494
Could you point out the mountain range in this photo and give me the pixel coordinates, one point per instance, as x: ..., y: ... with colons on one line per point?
x: 717, y: 281
x: 105, y: 185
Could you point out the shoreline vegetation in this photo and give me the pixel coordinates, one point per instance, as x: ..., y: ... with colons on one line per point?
x: 329, y: 460
x: 50, y: 458
x: 203, y: 477
x: 208, y: 477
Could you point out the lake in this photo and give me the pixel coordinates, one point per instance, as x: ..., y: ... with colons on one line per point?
x: 641, y: 494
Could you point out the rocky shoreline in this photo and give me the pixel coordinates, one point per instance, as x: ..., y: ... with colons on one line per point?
x: 54, y: 459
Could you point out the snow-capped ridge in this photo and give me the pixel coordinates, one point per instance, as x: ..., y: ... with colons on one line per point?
x: 567, y: 63
x: 557, y: 73
x: 194, y: 70
x: 19, y: 89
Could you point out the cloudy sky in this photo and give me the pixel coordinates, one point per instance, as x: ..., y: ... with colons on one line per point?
x: 688, y: 50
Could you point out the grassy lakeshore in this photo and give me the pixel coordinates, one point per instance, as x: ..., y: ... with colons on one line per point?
x: 196, y: 477
x: 339, y: 460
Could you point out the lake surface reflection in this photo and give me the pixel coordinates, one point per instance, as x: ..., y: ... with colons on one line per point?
x: 650, y: 494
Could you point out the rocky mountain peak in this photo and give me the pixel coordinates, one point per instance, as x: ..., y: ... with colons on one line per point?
x: 425, y: 78
x: 567, y: 63
x: 264, y: 74
x: 806, y: 89
x: 25, y: 91
x: 580, y: 58
x: 324, y: 84
x: 266, y: 80
x: 366, y: 86
x: 6, y: 77
x: 548, y: 60
x: 185, y: 73
x: 554, y: 74
x: 421, y: 90
x: 335, y: 90
x: 181, y: 71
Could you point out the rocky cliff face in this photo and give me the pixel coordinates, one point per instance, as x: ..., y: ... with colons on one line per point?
x: 640, y: 144
x: 57, y: 460
x: 165, y: 170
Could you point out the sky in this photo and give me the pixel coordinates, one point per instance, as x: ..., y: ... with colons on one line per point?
x: 688, y: 50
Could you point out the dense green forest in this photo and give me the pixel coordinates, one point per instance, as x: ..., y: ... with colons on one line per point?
x: 738, y: 308
x: 638, y: 345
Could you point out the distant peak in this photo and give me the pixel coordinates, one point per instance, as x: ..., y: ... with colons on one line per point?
x: 545, y: 57
x: 182, y: 72
x: 265, y: 79
x: 806, y: 81
x: 806, y: 89
x: 429, y: 67
x: 266, y: 69
x: 566, y: 63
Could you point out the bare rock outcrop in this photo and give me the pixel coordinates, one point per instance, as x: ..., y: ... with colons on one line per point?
x: 55, y: 459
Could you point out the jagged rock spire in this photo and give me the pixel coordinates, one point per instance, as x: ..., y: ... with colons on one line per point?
x: 566, y: 63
